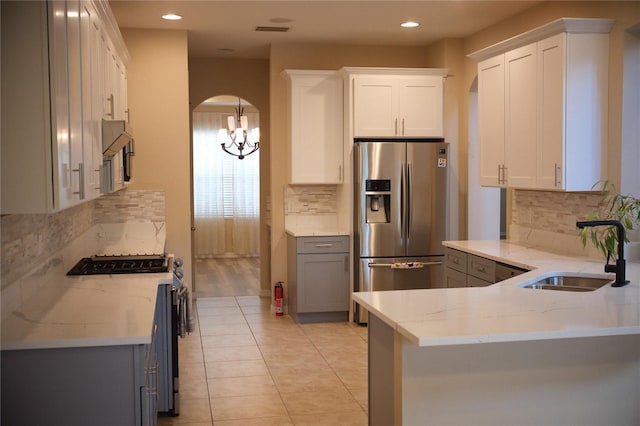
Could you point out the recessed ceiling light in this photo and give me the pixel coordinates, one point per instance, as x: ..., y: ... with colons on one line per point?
x: 171, y: 17
x: 409, y: 24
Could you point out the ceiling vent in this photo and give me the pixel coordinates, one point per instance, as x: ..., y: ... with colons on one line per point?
x: 273, y: 29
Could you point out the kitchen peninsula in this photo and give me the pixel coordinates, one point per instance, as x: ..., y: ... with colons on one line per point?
x: 504, y: 354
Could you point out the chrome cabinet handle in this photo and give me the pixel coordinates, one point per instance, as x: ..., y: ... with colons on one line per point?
x: 395, y: 128
x: 111, y: 108
x: 324, y: 245
x: 403, y: 127
x: 556, y: 172
x: 80, y: 171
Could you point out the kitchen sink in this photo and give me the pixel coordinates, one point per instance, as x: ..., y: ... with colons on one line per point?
x: 569, y: 283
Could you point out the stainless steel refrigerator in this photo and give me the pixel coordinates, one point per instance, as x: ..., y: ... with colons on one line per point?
x: 400, y: 214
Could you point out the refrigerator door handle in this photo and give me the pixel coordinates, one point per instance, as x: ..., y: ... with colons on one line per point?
x: 395, y: 265
x: 409, y: 194
x: 403, y: 219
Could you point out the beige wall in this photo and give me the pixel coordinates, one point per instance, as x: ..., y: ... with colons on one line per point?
x: 158, y: 87
x: 248, y: 79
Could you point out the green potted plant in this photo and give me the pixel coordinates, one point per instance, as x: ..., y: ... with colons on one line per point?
x: 623, y: 208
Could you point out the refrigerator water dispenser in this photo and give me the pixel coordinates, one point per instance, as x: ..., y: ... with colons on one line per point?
x: 378, y: 201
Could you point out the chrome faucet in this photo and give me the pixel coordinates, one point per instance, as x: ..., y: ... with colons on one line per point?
x: 620, y: 267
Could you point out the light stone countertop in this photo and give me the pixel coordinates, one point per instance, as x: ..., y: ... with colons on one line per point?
x: 505, y: 312
x: 315, y: 232
x: 47, y: 309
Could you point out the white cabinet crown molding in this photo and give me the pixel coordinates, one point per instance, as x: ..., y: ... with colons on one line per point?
x: 110, y: 26
x: 394, y: 71
x: 288, y: 73
x: 568, y: 25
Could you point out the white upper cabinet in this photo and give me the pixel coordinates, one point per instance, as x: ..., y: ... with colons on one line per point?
x: 315, y: 127
x: 520, y: 119
x: 491, y: 114
x: 572, y: 111
x: 395, y: 105
x: 542, y: 118
x: 52, y: 78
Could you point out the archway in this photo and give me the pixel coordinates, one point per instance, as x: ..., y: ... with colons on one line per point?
x: 226, y: 197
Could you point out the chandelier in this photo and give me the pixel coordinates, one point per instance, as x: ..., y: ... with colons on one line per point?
x: 238, y: 131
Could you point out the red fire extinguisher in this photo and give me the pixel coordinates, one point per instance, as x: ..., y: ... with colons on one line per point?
x: 278, y: 295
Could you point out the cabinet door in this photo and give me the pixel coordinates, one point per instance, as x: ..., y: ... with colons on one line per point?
x: 520, y: 120
x: 551, y: 101
x: 420, y: 107
x: 75, y: 105
x: 491, y: 120
x: 323, y: 282
x: 316, y: 129
x: 454, y: 279
x: 375, y: 106
x: 91, y: 112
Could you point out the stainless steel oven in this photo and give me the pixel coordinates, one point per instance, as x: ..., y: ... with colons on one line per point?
x: 172, y: 316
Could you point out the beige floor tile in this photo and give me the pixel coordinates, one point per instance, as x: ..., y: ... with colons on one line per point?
x: 353, y: 377
x: 351, y: 418
x: 255, y: 367
x: 342, y: 362
x: 212, y: 328
x: 191, y: 341
x: 262, y: 421
x: 294, y: 359
x: 246, y: 407
x: 253, y: 301
x: 291, y: 349
x: 301, y: 403
x: 231, y: 353
x: 263, y: 370
x: 241, y: 386
x: 194, y: 389
x: 263, y: 310
x: 231, y: 319
x: 195, y: 371
x: 311, y: 379
x: 225, y: 340
x: 361, y: 394
x: 280, y: 339
x: 173, y: 421
x: 204, y: 302
x: 194, y: 410
x: 217, y: 311
x: 190, y: 355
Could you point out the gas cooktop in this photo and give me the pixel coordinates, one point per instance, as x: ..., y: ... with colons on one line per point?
x: 125, y: 264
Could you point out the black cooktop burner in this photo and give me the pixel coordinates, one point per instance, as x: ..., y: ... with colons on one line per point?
x: 137, y: 264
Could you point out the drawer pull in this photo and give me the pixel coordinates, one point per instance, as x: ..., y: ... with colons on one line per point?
x: 324, y: 245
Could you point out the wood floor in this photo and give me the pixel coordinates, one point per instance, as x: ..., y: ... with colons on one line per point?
x: 228, y: 277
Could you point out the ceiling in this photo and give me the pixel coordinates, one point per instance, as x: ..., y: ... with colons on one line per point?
x: 226, y: 29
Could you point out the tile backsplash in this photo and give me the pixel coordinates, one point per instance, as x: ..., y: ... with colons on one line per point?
x: 28, y: 240
x: 310, y: 200
x: 311, y: 206
x: 547, y: 220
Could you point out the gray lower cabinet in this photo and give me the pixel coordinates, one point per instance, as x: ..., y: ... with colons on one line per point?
x: 76, y: 386
x: 468, y: 270
x: 99, y: 385
x: 318, y: 271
